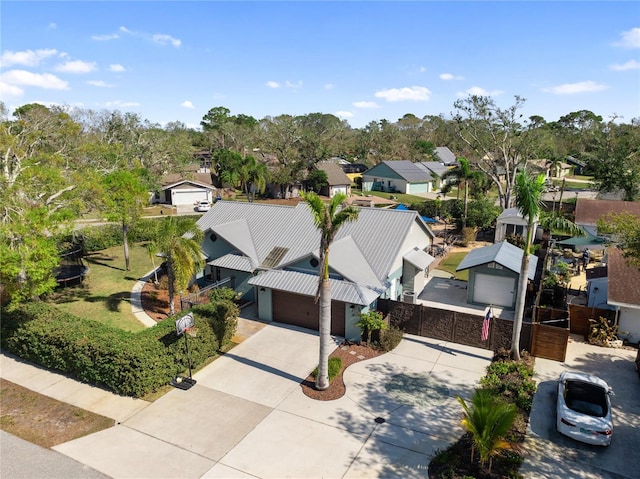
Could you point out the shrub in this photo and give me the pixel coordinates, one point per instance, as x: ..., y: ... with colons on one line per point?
x: 222, y: 316
x: 512, y: 380
x: 369, y: 322
x: 131, y: 364
x: 390, y: 338
x: 219, y: 294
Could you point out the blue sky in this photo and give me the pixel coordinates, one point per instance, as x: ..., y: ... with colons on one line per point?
x: 362, y: 61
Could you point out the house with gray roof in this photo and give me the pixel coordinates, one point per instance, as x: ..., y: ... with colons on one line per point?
x: 398, y: 176
x: 271, y: 254
x: 493, y: 274
x: 445, y: 156
x: 187, y: 188
x: 436, y: 170
x: 337, y: 179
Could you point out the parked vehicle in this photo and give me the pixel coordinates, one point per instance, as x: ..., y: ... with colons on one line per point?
x: 203, y: 206
x: 584, y: 408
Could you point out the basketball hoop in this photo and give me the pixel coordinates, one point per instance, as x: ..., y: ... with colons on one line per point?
x: 193, y: 331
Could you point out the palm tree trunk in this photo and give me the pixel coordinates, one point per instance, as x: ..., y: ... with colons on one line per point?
x: 522, y: 296
x: 466, y: 202
x: 171, y: 286
x: 125, y: 243
x: 322, y: 381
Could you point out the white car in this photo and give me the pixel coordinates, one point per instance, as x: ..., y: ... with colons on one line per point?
x: 584, y: 408
x: 203, y: 206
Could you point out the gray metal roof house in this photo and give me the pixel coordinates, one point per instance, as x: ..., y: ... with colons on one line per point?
x: 493, y: 274
x: 398, y: 176
x: 271, y: 253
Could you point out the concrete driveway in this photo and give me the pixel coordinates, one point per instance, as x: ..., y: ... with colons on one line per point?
x: 552, y: 455
x: 247, y: 415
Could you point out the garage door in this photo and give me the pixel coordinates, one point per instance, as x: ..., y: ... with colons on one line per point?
x: 496, y: 290
x: 303, y: 311
x: 187, y: 197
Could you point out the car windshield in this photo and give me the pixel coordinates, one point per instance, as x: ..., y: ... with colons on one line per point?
x: 586, y: 398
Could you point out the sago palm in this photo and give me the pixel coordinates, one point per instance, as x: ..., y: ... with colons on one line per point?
x: 328, y: 218
x: 180, y: 240
x: 488, y: 421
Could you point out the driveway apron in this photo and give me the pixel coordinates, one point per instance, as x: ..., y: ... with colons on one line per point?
x: 248, y: 417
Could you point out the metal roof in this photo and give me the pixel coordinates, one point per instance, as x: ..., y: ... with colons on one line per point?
x: 504, y: 253
x: 409, y: 171
x: 255, y: 229
x: 434, y: 167
x: 419, y: 258
x: 307, y: 285
x: 233, y: 261
x: 445, y: 155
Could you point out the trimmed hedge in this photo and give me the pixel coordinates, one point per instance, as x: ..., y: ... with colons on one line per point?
x: 96, y: 238
x: 130, y: 364
x: 222, y: 317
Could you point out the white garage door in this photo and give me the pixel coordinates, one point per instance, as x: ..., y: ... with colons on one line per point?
x: 496, y: 290
x: 187, y: 197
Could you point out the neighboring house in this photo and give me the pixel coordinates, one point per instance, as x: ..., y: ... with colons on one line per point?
x: 588, y: 212
x: 188, y: 188
x: 577, y: 165
x: 618, y: 290
x: 548, y: 168
x: 445, y: 156
x: 399, y: 176
x: 272, y: 255
x: 338, y: 181
x: 354, y: 170
x: 436, y: 170
x: 511, y: 222
x: 493, y: 274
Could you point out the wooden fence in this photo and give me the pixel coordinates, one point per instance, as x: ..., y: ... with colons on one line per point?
x: 580, y: 316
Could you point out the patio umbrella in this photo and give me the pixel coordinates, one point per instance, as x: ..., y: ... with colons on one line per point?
x: 587, y: 241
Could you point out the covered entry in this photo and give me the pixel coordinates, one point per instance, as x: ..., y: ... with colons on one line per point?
x: 303, y: 311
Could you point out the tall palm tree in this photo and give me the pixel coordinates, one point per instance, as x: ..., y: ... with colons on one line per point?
x: 462, y: 175
x: 328, y: 219
x: 488, y: 422
x: 529, y: 201
x: 253, y: 175
x: 180, y: 240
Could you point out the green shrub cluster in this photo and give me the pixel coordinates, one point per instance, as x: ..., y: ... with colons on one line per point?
x: 222, y: 317
x: 130, y: 364
x: 96, y: 238
x: 512, y: 380
x: 390, y: 338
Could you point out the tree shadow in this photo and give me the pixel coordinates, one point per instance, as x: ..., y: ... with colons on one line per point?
x: 112, y: 302
x: 102, y: 260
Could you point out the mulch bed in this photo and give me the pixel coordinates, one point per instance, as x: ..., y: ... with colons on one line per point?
x: 350, y: 353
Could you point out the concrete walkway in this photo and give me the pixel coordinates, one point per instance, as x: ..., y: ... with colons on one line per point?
x: 248, y: 417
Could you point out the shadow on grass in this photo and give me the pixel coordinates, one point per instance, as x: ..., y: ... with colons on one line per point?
x: 102, y: 260
x: 112, y: 301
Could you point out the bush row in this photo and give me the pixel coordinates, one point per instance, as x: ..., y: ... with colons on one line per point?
x: 130, y: 364
x: 96, y: 238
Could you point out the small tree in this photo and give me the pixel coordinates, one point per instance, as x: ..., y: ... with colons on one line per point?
x: 488, y: 422
x: 317, y: 180
x: 369, y: 322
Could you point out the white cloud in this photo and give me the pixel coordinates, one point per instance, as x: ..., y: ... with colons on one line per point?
x: 573, y: 88
x: 630, y: 65
x: 52, y: 26
x: 187, y: 104
x: 289, y: 84
x: 365, y: 104
x: 10, y: 91
x: 104, y: 38
x: 344, y: 114
x: 414, y: 93
x: 479, y: 91
x: 450, y: 76
x: 126, y: 30
x: 100, y: 84
x: 40, y: 80
x: 121, y: 104
x: 329, y: 86
x: 76, y: 66
x: 629, y: 39
x: 28, y: 58
x: 273, y: 84
x: 116, y: 67
x: 164, y: 39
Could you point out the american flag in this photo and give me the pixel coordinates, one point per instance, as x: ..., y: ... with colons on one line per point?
x: 485, y: 325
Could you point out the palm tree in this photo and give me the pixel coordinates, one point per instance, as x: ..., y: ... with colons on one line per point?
x: 529, y: 201
x: 180, y: 240
x: 462, y: 175
x: 253, y: 175
x: 328, y: 219
x: 488, y: 423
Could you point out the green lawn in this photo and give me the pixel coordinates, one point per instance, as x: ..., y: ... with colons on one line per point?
x: 450, y: 262
x: 105, y: 293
